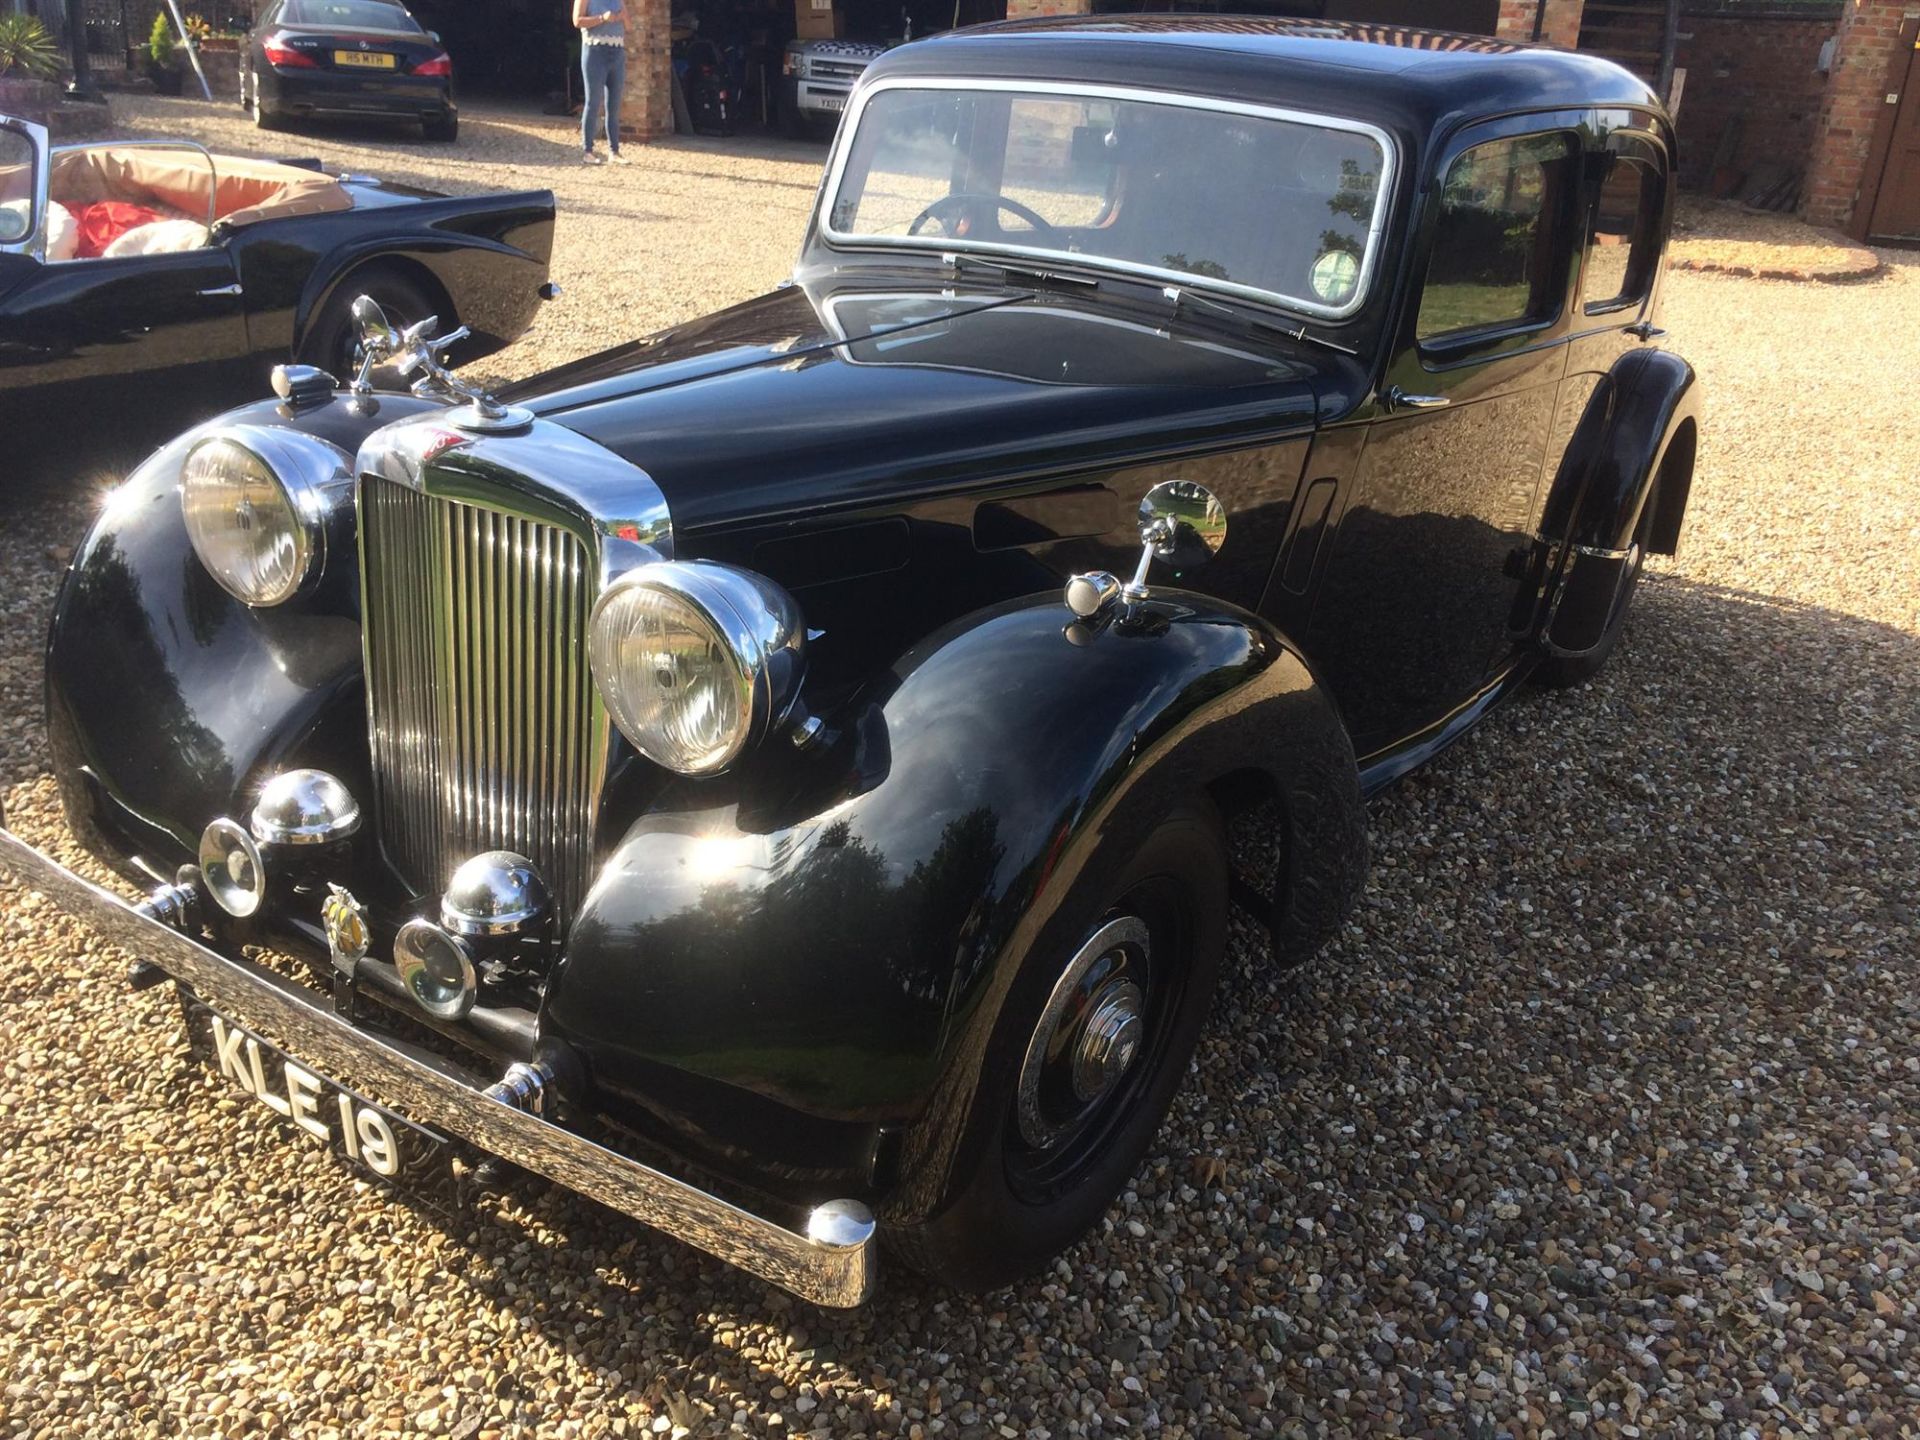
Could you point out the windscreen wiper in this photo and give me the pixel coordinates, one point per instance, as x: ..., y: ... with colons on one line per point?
x: 1177, y: 297
x: 1032, y: 274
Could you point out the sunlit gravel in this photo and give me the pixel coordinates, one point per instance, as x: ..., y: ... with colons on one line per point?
x: 1599, y: 1118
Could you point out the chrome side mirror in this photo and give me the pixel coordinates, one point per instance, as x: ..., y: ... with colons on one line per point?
x: 1181, y: 522
x: 375, y: 332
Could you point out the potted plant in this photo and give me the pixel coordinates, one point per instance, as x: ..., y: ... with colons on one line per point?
x: 29, y: 61
x: 163, y: 56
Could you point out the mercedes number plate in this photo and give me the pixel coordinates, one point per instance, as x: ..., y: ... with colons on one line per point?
x: 363, y: 59
x: 372, y: 1138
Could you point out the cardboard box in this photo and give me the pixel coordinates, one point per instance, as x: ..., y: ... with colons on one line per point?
x: 817, y: 20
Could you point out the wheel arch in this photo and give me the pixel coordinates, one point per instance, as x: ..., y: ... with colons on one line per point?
x: 341, y: 272
x: 865, y: 923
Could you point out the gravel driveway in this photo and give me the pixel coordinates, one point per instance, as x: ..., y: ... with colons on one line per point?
x: 1599, y: 1117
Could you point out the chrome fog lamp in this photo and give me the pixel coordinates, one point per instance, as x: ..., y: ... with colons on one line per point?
x: 231, y: 867
x: 696, y: 661
x: 258, y: 502
x: 306, y: 808
x: 436, y: 968
x: 496, y: 894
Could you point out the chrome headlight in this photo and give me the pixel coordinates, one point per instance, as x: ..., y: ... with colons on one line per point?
x: 257, y: 502
x: 696, y: 661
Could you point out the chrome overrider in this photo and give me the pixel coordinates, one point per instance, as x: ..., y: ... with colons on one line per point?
x: 831, y: 1262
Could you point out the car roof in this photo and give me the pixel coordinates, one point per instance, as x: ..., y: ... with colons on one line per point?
x: 1392, y: 72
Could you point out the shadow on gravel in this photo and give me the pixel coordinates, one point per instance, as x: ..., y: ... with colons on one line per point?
x: 1635, y: 963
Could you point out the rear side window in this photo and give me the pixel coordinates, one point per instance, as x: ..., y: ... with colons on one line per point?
x: 1495, y: 261
x: 1624, y: 243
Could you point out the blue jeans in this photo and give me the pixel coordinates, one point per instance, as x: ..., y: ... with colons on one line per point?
x: 604, y: 68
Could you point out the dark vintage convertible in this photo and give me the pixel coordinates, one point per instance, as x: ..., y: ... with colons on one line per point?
x: 785, y: 762
x: 147, y: 284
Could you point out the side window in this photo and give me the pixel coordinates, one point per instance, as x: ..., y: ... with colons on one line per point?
x: 1495, y: 253
x: 1623, y: 247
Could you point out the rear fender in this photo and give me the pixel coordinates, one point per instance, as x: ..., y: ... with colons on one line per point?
x: 484, y: 267
x: 775, y: 966
x: 1634, y: 448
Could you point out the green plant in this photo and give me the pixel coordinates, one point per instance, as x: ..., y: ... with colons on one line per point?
x: 160, y: 42
x: 26, y: 48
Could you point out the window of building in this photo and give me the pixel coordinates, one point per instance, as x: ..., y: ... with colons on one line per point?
x: 1494, y: 259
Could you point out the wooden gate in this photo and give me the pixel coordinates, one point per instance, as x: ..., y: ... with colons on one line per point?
x: 1893, y: 166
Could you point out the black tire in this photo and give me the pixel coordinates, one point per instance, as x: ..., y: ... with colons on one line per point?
x: 331, y: 341
x: 1020, y: 1205
x: 443, y: 131
x: 263, y: 117
x: 1563, y: 672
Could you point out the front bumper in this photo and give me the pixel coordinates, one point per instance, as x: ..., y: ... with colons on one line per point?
x: 832, y: 1264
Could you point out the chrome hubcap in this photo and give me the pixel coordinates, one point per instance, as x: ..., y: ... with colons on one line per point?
x: 1089, y: 1034
x: 1109, y: 1041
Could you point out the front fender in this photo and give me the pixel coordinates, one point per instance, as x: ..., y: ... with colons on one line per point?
x: 167, y: 699
x: 779, y: 966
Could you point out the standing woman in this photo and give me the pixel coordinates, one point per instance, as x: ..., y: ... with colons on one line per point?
x: 603, y: 65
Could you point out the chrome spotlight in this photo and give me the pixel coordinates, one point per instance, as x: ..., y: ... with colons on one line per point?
x: 436, y: 968
x: 231, y: 867
x: 304, y: 807
x: 497, y: 893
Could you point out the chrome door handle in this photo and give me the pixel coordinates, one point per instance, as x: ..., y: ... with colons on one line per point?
x: 1645, y: 330
x: 223, y: 290
x: 1396, y: 397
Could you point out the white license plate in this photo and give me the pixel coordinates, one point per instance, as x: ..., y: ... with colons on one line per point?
x: 374, y: 1139
x: 829, y: 102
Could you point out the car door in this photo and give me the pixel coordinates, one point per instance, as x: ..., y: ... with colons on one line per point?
x: 1625, y: 230
x: 1416, y: 608
x: 131, y: 345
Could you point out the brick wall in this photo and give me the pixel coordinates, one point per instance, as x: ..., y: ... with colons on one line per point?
x: 1869, y: 42
x: 1559, y: 23
x: 646, y: 105
x: 1756, y: 72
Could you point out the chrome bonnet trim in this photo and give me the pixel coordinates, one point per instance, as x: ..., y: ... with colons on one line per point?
x: 545, y: 472
x: 833, y: 1264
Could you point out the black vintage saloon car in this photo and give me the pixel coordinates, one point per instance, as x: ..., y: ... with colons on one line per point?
x: 788, y: 756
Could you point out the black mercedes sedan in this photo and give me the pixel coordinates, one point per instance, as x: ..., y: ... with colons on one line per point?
x: 347, y: 57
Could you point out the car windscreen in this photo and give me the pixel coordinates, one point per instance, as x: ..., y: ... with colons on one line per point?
x: 1267, y: 203
x: 349, y: 15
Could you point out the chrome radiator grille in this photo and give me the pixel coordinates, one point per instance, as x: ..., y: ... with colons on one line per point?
x: 484, y: 726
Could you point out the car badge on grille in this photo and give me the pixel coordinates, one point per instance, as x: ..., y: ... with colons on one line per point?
x: 345, y: 921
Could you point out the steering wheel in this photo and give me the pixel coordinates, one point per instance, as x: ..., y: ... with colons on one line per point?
x: 963, y: 203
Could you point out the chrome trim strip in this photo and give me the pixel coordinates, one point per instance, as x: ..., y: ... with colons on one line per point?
x: 1595, y: 552
x: 834, y: 1264
x: 1043, y: 89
